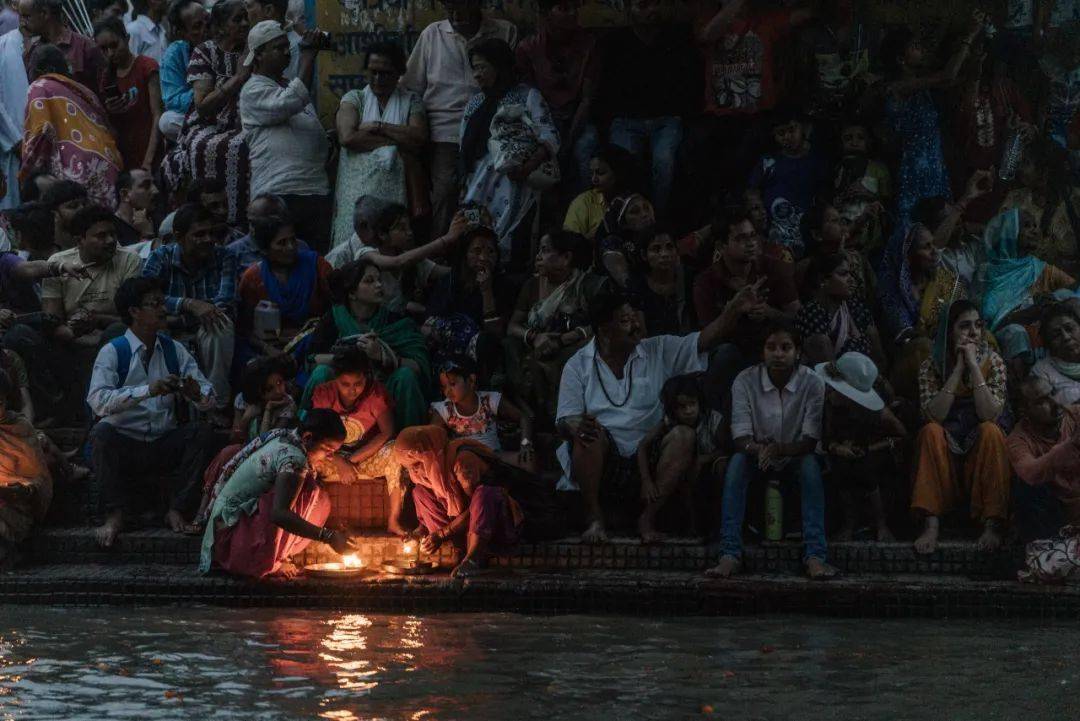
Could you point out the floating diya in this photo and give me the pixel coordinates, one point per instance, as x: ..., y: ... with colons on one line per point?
x: 347, y: 567
x: 409, y: 563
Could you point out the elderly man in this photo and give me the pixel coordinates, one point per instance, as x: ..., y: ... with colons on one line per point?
x: 439, y: 72
x: 287, y: 143
x: 43, y: 20
x: 1044, y: 449
x: 259, y: 10
x: 609, y: 398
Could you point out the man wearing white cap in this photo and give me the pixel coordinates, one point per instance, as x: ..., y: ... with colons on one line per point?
x: 286, y: 142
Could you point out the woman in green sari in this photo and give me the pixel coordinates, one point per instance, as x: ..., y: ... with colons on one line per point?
x: 394, y: 344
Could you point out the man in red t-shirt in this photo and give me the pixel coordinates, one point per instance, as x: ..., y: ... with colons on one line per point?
x: 745, y: 289
x: 741, y: 44
x: 367, y: 411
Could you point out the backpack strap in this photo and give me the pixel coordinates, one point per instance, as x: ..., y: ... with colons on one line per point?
x: 168, y: 349
x: 123, y: 358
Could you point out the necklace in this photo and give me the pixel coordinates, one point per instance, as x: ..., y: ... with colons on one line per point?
x: 600, y: 379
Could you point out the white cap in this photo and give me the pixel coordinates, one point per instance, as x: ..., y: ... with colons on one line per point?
x: 263, y: 32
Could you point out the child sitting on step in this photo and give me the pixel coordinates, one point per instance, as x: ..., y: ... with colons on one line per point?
x: 687, y: 423
x: 469, y: 413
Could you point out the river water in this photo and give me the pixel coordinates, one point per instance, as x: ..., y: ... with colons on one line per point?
x: 267, y: 664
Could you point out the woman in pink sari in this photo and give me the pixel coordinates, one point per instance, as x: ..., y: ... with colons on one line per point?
x: 67, y: 129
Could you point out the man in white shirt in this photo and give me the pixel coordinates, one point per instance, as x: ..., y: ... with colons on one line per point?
x: 258, y: 10
x: 439, y: 72
x: 286, y: 142
x: 138, y: 380
x: 776, y: 411
x: 609, y: 397
x: 147, y: 33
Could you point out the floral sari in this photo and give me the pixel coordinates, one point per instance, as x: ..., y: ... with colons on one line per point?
x: 68, y: 134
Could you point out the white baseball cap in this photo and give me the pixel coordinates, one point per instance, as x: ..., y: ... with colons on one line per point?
x: 263, y: 32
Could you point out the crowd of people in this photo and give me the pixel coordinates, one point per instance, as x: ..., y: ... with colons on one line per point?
x: 657, y: 278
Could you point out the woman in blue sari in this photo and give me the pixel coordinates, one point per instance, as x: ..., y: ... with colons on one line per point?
x: 295, y: 281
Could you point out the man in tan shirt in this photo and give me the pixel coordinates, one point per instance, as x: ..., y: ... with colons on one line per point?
x: 85, y: 305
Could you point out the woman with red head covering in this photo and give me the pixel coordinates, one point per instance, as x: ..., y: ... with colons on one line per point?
x: 455, y: 500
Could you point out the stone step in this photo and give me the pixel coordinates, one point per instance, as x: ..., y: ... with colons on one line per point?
x: 77, y: 545
x: 656, y: 593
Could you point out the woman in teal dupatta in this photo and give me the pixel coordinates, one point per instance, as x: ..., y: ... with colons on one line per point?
x: 1014, y: 279
x: 394, y: 343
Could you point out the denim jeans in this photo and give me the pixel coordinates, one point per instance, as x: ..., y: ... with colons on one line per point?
x: 743, y: 469
x: 663, y: 135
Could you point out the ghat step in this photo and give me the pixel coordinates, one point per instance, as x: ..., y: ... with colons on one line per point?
x: 557, y: 591
x: 78, y: 546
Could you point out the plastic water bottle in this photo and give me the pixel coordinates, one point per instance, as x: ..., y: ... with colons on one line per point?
x: 774, y: 512
x: 267, y: 320
x: 1010, y: 157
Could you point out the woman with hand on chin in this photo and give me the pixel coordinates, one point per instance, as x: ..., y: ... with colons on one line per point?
x: 963, y: 398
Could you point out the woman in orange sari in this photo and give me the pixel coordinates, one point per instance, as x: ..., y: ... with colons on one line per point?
x: 453, y: 500
x: 25, y: 482
x: 67, y: 129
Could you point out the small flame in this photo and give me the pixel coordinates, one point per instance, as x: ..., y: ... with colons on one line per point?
x: 351, y: 561
x: 408, y: 547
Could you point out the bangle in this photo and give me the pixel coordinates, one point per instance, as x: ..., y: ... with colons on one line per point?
x: 324, y: 535
x: 525, y: 338
x: 490, y: 318
x: 584, y: 333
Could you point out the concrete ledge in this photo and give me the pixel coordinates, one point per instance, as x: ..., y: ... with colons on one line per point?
x: 77, y: 545
x: 577, y: 591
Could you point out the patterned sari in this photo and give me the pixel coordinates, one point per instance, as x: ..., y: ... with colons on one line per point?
x: 213, y: 148
x: 68, y: 134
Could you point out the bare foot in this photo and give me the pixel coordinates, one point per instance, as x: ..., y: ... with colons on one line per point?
x: 648, y: 534
x: 107, y: 532
x: 595, y: 533
x: 818, y: 570
x: 175, y: 522
x: 990, y: 540
x: 884, y: 535
x: 927, y: 542
x: 845, y: 534
x: 728, y: 566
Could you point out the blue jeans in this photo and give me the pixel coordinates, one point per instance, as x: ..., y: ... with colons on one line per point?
x: 664, y: 135
x: 743, y: 469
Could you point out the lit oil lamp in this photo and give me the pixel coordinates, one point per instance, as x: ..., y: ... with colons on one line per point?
x: 409, y: 563
x: 348, y: 566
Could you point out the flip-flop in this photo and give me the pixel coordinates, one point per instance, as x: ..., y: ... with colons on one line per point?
x: 193, y: 529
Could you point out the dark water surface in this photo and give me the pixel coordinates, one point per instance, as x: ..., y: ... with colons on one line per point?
x: 210, y: 663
